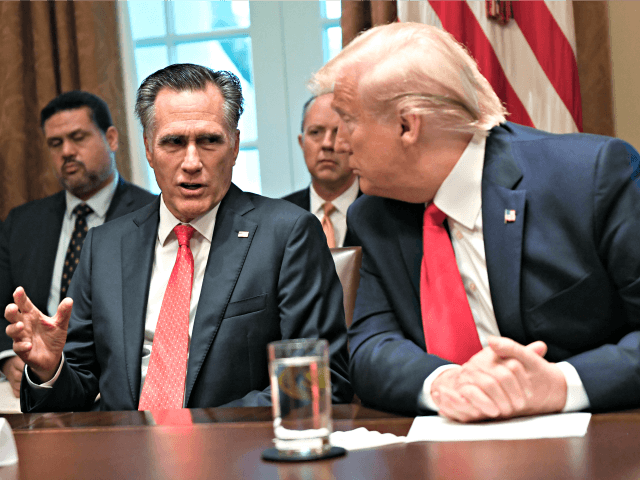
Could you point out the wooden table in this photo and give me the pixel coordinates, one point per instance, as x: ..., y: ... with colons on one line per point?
x: 227, y: 443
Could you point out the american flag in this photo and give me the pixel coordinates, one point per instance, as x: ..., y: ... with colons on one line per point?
x: 509, y: 216
x: 530, y: 59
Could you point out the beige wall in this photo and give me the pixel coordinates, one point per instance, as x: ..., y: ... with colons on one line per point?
x: 624, y: 20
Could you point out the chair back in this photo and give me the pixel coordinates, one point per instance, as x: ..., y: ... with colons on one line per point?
x: 348, y: 261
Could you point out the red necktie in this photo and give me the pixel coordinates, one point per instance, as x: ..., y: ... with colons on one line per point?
x: 449, y: 329
x: 327, y: 226
x: 164, y: 385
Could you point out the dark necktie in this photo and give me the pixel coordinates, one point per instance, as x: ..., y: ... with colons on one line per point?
x: 72, y: 257
x: 449, y: 329
x: 163, y: 387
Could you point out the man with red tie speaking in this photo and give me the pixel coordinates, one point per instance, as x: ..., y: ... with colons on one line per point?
x: 500, y: 271
x: 173, y: 305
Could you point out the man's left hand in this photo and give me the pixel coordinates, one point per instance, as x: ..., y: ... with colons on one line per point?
x: 504, y: 380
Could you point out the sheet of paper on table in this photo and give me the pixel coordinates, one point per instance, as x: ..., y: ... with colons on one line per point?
x: 439, y: 429
x: 8, y: 403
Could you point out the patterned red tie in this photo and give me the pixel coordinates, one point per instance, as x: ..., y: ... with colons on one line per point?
x: 449, y: 329
x: 164, y: 385
x: 327, y: 226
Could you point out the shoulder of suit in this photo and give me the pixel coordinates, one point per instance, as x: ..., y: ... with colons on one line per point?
x: 40, y: 206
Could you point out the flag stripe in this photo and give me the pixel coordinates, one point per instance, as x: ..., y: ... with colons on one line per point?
x: 458, y: 19
x: 562, y: 12
x: 553, y: 51
x: 529, y: 80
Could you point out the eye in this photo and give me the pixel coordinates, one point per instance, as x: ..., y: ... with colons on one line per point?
x: 78, y: 136
x: 54, y: 142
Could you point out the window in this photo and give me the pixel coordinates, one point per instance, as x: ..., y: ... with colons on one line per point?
x: 273, y: 47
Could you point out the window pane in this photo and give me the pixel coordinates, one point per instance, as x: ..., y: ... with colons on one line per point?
x: 147, y: 19
x: 246, y: 173
x: 332, y: 42
x: 233, y: 55
x: 331, y: 9
x: 199, y: 17
x: 149, y: 60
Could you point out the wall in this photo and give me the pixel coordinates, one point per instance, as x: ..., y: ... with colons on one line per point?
x: 624, y: 18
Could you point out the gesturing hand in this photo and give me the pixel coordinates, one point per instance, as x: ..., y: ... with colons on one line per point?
x: 37, y: 339
x: 504, y: 380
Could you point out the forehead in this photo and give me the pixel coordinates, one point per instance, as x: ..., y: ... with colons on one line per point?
x: 68, y: 121
x: 345, y: 94
x: 321, y: 112
x: 184, y: 111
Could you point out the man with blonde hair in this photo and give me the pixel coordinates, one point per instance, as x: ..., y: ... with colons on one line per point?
x: 533, y: 304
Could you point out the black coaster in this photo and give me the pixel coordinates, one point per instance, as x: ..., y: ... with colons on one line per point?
x: 274, y: 455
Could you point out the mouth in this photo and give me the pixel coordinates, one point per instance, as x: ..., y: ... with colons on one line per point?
x: 71, y: 168
x: 188, y: 187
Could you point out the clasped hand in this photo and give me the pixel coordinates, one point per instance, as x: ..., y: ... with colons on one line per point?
x: 504, y: 380
x: 37, y: 339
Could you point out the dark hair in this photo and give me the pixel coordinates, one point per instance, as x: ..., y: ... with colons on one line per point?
x: 100, y: 114
x: 305, y: 109
x: 189, y: 77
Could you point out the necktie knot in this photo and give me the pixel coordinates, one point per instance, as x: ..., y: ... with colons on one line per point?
x: 184, y: 233
x: 82, y: 210
x: 433, y: 216
x: 328, y: 208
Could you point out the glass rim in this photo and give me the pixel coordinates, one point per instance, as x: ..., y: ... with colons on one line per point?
x: 297, y: 341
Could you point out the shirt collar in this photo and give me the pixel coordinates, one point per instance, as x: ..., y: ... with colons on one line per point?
x: 460, y: 195
x: 203, y: 224
x: 341, y: 203
x: 99, y: 202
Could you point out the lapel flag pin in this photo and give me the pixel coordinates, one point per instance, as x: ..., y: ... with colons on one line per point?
x: 243, y: 234
x: 509, y: 216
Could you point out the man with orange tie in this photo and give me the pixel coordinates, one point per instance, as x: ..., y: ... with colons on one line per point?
x: 173, y: 306
x: 500, y: 273
x: 334, y: 186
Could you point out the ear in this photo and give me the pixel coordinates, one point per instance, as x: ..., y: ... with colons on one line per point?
x: 237, y: 146
x: 300, y: 141
x: 112, y: 138
x: 410, y: 125
x: 147, y: 150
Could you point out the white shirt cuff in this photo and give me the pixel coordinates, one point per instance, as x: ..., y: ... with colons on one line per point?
x: 424, y: 399
x: 48, y: 384
x: 577, y: 398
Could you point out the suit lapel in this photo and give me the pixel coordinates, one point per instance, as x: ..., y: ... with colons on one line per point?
x: 226, y: 259
x: 503, y: 240
x: 121, y: 201
x: 409, y: 234
x: 47, y: 247
x: 137, y: 260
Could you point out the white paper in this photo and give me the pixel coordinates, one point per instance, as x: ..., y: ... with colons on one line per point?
x: 361, y: 438
x: 8, y: 450
x: 8, y: 403
x: 439, y: 429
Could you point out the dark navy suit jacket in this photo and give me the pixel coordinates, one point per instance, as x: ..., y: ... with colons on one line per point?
x: 29, y: 242
x: 567, y: 271
x: 278, y: 283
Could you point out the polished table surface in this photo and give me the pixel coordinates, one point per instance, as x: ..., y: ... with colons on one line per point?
x: 227, y: 443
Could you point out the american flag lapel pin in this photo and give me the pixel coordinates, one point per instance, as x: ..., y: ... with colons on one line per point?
x: 243, y: 234
x: 509, y: 216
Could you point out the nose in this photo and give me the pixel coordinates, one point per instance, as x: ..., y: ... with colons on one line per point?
x: 68, y: 149
x: 329, y: 139
x: 342, y: 140
x: 192, y: 162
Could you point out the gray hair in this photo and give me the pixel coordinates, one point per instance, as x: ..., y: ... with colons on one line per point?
x: 189, y: 77
x: 412, y: 68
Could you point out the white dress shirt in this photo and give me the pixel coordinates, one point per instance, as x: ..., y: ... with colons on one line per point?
x: 99, y: 203
x: 460, y: 199
x: 165, y: 254
x: 339, y: 216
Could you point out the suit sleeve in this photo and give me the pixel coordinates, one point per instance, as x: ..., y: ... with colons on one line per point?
x: 77, y: 386
x: 610, y: 373
x: 6, y: 284
x: 388, y: 360
x: 310, y: 304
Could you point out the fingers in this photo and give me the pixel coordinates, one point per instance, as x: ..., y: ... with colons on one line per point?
x: 529, y: 356
x: 23, y: 301
x: 63, y: 314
